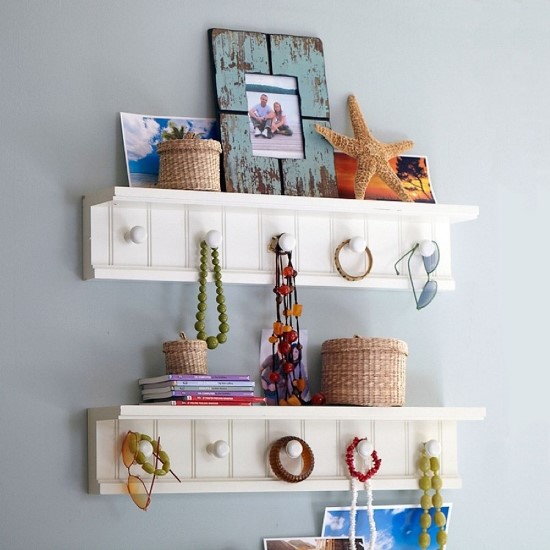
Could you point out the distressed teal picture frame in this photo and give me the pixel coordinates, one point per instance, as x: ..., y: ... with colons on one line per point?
x: 233, y: 55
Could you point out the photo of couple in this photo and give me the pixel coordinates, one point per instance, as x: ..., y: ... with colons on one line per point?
x: 268, y: 121
x: 274, y: 116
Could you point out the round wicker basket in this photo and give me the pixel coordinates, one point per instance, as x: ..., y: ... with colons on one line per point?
x: 185, y: 356
x: 190, y: 164
x: 364, y: 371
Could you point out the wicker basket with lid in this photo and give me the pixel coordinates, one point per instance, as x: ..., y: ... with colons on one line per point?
x: 190, y: 164
x: 185, y: 356
x: 367, y: 372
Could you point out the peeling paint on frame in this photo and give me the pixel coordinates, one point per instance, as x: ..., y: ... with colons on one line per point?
x: 235, y: 53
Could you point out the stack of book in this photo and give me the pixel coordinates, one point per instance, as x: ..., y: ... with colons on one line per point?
x: 199, y: 389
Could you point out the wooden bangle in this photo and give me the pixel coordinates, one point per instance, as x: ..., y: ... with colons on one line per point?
x: 341, y: 270
x: 308, y: 461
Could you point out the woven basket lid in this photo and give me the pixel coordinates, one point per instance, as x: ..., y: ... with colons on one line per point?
x: 183, y: 343
x: 190, y: 145
x: 359, y: 343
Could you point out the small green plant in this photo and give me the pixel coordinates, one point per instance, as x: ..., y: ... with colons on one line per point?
x: 173, y: 132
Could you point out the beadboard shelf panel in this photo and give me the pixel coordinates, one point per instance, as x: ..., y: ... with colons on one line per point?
x: 397, y: 434
x: 176, y: 221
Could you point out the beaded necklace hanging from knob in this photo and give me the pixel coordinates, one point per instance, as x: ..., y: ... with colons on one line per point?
x: 287, y: 374
x: 429, y: 464
x: 211, y: 242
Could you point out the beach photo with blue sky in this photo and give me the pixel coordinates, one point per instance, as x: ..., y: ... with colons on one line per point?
x: 397, y: 527
x: 141, y: 135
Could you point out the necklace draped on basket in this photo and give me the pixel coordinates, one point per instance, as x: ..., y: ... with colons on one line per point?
x: 214, y: 238
x: 364, y: 449
x: 429, y: 464
x: 286, y: 348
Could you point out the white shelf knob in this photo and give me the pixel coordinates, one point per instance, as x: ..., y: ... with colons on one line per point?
x: 365, y: 448
x: 432, y: 447
x: 357, y: 245
x: 213, y: 238
x: 136, y: 235
x: 426, y: 248
x: 219, y: 449
x: 287, y: 242
x: 294, y: 449
x: 146, y: 448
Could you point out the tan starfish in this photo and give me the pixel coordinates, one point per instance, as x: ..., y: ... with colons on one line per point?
x: 372, y: 155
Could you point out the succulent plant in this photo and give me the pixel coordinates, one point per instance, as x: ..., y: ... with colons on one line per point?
x: 179, y: 133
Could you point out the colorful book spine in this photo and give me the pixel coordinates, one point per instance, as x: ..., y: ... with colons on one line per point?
x: 187, y: 389
x: 180, y: 393
x: 203, y: 387
x: 232, y: 399
x: 191, y: 377
x: 202, y: 403
x: 214, y: 383
x: 184, y: 395
x: 182, y: 385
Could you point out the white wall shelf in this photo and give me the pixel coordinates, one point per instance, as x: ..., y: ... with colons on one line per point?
x: 176, y: 221
x: 397, y: 434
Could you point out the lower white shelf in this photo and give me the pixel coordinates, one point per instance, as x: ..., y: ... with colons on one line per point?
x: 397, y: 434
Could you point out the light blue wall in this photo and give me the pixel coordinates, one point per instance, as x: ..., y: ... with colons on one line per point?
x: 468, y: 81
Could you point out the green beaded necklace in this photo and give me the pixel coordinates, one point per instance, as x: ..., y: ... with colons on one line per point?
x: 211, y: 341
x: 429, y: 464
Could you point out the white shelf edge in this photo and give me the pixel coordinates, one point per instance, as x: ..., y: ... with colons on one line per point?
x: 174, y: 274
x: 110, y: 487
x: 306, y: 205
x: 163, y: 412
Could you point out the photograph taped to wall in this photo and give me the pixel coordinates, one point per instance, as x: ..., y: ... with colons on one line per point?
x: 412, y: 170
x: 275, y: 120
x: 313, y: 543
x: 142, y: 133
x: 397, y: 527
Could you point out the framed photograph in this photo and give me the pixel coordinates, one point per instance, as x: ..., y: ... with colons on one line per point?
x: 274, y: 114
x: 142, y: 133
x: 412, y: 171
x: 397, y: 527
x: 313, y: 543
x: 290, y: 71
x: 274, y: 392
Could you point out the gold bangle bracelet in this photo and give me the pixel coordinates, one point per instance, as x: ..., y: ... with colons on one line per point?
x: 308, y: 461
x: 341, y: 270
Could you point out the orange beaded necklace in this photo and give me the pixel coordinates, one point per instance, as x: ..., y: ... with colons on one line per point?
x: 285, y: 338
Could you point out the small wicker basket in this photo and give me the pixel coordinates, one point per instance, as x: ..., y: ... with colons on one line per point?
x: 185, y: 356
x: 368, y: 372
x: 190, y: 164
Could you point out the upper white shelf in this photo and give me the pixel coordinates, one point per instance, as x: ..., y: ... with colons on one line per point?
x: 386, y: 209
x: 175, y: 222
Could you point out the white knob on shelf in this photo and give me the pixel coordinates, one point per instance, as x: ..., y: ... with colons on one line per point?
x: 432, y: 447
x: 294, y: 448
x: 146, y: 448
x: 426, y: 248
x: 365, y: 448
x: 213, y: 238
x: 357, y: 245
x: 287, y: 242
x: 219, y: 449
x: 136, y: 235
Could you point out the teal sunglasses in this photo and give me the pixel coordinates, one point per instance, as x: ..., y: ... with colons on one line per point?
x: 429, y: 251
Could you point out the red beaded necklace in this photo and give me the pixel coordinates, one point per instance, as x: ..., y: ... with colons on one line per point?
x: 285, y: 339
x: 362, y: 477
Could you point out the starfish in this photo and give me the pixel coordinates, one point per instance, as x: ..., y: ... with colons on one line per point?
x: 372, y: 155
